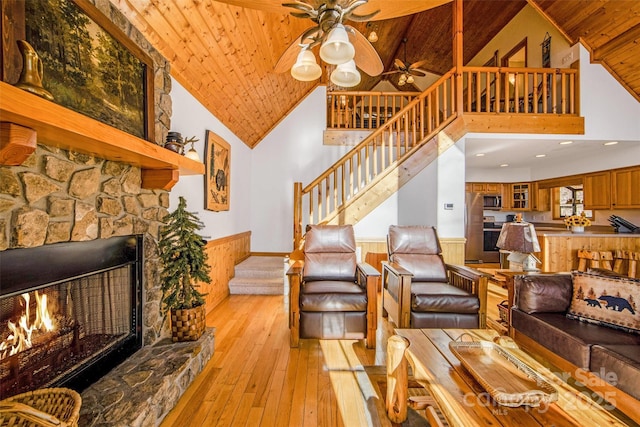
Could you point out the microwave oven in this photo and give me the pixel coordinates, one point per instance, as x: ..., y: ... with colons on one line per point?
x: 492, y: 202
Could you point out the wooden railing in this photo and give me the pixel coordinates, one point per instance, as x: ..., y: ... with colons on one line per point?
x: 364, y: 110
x: 419, y: 118
x: 373, y: 158
x: 519, y: 90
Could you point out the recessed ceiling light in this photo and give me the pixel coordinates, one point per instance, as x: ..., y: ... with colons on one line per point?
x: 611, y: 143
x: 504, y: 165
x: 541, y: 155
x: 480, y: 155
x: 566, y: 142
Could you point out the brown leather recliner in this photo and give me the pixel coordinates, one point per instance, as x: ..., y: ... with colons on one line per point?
x: 331, y: 295
x: 421, y: 291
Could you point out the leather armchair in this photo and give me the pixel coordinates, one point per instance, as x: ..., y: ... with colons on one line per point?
x: 421, y: 291
x: 331, y: 295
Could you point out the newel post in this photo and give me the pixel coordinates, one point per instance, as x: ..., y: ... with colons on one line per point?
x: 297, y: 214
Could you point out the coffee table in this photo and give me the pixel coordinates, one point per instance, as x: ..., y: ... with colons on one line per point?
x: 463, y: 401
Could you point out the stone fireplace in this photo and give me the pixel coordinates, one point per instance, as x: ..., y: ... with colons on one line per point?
x: 63, y: 197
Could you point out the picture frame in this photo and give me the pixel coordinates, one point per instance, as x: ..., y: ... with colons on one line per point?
x: 79, y: 66
x: 217, y: 161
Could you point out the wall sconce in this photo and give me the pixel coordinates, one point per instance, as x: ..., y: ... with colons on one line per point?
x: 192, y: 153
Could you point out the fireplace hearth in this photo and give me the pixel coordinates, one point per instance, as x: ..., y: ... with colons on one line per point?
x: 69, y: 312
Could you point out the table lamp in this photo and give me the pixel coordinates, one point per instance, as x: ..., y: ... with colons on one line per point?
x: 520, y: 239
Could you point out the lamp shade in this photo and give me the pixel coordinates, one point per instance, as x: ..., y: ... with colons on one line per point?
x: 346, y: 75
x: 306, y: 68
x: 193, y: 155
x: 518, y: 237
x: 337, y: 49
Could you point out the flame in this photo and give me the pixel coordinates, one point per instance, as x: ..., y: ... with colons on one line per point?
x: 21, y: 334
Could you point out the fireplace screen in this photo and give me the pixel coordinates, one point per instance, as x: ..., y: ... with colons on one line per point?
x: 68, y: 332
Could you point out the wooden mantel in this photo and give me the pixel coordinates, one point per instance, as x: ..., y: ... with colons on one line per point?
x: 61, y: 127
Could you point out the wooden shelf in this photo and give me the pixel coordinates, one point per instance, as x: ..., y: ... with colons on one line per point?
x: 60, y: 127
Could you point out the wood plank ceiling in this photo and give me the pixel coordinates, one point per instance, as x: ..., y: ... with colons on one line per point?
x: 224, y: 55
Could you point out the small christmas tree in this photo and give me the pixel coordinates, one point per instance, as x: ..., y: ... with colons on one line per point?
x: 184, y: 260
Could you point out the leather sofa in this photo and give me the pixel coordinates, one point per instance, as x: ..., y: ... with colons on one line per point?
x: 597, y: 355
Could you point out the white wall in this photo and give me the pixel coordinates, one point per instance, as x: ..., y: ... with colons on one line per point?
x: 191, y: 118
x: 292, y: 152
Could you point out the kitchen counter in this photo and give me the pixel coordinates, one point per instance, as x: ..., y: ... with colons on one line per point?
x: 562, y: 232
x: 559, y: 247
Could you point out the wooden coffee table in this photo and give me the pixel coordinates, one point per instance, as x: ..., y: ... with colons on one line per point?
x: 463, y: 401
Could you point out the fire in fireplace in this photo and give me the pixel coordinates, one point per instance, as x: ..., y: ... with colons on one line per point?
x: 69, y: 312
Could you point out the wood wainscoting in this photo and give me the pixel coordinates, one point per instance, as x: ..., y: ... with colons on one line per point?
x: 224, y: 254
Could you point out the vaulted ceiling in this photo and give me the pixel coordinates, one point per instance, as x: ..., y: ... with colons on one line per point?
x: 225, y: 55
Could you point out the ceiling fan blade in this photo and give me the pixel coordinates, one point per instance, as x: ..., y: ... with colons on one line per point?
x: 398, y: 63
x: 390, y: 72
x: 399, y: 8
x: 367, y: 59
x: 417, y: 72
x: 419, y: 64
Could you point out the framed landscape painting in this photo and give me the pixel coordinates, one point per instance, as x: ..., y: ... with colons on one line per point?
x: 89, y: 65
x: 216, y: 179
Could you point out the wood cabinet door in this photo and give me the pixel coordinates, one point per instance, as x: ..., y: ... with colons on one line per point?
x: 597, y: 190
x: 493, y: 187
x: 625, y: 188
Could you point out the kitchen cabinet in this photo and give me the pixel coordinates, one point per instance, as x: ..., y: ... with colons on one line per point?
x: 484, y: 187
x: 625, y: 188
x: 541, y: 198
x: 597, y: 190
x: 521, y: 196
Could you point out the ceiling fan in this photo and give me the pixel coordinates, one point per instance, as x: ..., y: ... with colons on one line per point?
x: 407, y: 70
x: 340, y: 44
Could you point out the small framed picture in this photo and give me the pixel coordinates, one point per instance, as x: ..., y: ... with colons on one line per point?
x: 217, y: 173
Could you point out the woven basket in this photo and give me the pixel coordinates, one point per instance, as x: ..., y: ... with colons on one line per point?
x: 47, y: 407
x: 503, y: 310
x: 188, y: 324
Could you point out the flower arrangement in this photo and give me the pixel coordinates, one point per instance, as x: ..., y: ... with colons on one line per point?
x: 577, y: 220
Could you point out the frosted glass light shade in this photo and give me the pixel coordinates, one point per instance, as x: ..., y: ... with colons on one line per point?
x: 337, y: 49
x: 193, y: 155
x: 346, y: 75
x: 306, y: 68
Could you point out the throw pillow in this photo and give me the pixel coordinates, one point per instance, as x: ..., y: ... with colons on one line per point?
x: 608, y: 301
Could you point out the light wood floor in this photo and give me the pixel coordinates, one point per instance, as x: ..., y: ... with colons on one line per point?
x: 255, y: 379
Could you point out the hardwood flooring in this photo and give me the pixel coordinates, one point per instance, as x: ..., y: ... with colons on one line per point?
x: 255, y: 379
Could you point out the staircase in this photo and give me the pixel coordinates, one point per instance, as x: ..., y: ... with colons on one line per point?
x: 258, y: 275
x: 477, y: 100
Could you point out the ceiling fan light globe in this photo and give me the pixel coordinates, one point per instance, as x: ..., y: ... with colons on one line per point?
x: 346, y: 75
x: 337, y: 49
x: 401, y: 82
x: 306, y: 68
x: 373, y: 37
x: 402, y: 78
x: 410, y: 79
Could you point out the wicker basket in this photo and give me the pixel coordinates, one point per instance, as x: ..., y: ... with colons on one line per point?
x: 47, y: 407
x: 503, y: 309
x: 188, y: 324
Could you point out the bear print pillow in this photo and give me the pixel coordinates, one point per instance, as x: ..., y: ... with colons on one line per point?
x: 609, y: 301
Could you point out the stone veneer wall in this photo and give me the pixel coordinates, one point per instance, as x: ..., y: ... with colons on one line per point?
x: 61, y: 196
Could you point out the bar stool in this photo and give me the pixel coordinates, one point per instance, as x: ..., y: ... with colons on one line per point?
x: 626, y: 262
x: 594, y: 259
